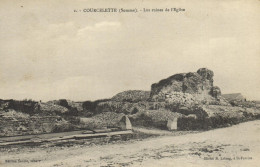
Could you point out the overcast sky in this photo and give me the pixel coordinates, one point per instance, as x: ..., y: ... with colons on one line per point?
x: 47, y: 51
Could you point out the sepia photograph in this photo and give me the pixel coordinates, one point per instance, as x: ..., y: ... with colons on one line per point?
x: 120, y: 83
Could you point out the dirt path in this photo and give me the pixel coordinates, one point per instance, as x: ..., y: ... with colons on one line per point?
x: 234, y: 146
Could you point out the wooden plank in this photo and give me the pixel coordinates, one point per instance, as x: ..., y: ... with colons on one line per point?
x: 70, y: 137
x: 102, y: 130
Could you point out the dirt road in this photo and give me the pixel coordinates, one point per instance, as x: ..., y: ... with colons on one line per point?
x: 238, y: 145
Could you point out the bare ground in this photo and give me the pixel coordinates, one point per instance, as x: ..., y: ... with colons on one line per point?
x: 238, y: 145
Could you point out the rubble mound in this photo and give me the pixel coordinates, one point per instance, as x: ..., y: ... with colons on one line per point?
x: 102, y: 120
x: 52, y: 108
x: 218, y: 116
x: 132, y: 96
x: 153, y: 118
x: 69, y: 104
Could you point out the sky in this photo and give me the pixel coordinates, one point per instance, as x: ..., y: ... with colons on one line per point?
x: 48, y: 51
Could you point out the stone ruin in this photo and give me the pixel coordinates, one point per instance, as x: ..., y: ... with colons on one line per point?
x: 125, y: 123
x: 172, y: 124
x: 192, y: 87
